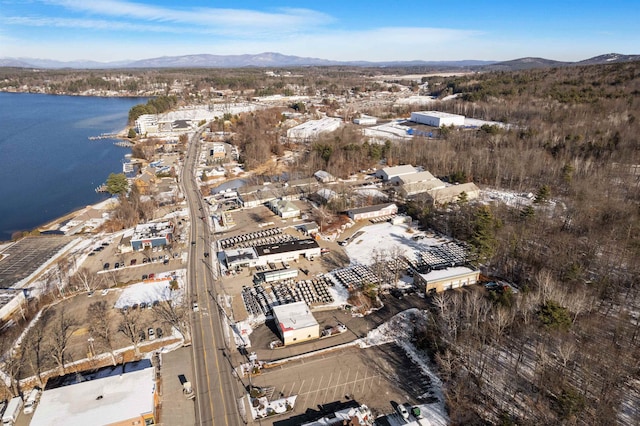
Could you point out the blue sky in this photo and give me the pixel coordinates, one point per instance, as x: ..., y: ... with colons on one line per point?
x: 110, y: 30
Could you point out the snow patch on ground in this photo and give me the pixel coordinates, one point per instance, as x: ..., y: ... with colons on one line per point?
x: 151, y: 291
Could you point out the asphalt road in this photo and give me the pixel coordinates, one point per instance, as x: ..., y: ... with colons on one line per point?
x: 217, y: 389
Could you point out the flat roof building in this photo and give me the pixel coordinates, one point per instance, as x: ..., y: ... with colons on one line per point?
x: 119, y: 395
x: 313, y: 128
x: 445, y: 279
x: 437, y: 118
x: 295, y: 323
x: 152, y: 235
x: 284, y: 208
x: 371, y: 212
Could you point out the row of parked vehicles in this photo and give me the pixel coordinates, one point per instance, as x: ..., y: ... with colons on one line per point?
x: 11, y: 410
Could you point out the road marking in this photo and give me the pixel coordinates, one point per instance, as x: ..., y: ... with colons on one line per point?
x: 355, y: 381
x: 336, y: 386
x: 328, y: 387
x: 317, y: 391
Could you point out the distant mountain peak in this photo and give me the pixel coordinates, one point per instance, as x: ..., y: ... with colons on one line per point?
x: 275, y: 59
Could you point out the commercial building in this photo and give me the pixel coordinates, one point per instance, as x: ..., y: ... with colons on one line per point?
x: 146, y: 123
x: 285, y: 209
x: 217, y: 152
x: 371, y: 212
x: 149, y: 235
x: 445, y: 279
x: 313, y: 128
x: 271, y: 253
x: 324, y: 177
x: 288, y: 251
x: 437, y: 118
x: 452, y: 193
x: 417, y: 183
x: 295, y: 323
x: 365, y: 120
x: 120, y: 395
x: 393, y: 174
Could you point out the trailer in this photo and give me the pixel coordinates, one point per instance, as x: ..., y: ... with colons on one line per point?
x: 11, y: 413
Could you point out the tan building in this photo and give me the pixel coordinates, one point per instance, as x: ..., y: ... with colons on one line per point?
x: 295, y: 323
x: 372, y: 212
x: 446, y: 279
x: 451, y: 194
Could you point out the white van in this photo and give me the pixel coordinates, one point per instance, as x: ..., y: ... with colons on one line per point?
x: 11, y: 413
x: 31, y: 401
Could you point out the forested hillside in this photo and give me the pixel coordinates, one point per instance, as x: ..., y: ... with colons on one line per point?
x: 565, y: 349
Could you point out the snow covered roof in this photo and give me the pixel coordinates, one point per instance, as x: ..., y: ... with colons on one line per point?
x: 442, y: 274
x: 120, y: 395
x: 374, y: 208
x: 417, y: 177
x: 294, y: 316
x: 389, y: 172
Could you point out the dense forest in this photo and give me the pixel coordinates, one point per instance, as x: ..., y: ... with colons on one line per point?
x: 565, y: 349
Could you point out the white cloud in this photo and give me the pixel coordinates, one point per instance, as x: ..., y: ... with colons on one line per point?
x: 227, y: 19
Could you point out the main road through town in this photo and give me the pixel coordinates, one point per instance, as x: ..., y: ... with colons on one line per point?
x: 217, y: 389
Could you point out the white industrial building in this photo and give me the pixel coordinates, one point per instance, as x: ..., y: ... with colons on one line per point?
x: 295, y: 323
x: 372, y: 212
x: 313, y: 128
x: 365, y: 120
x: 437, y: 118
x: 120, y: 395
x: 392, y: 174
x: 147, y: 123
x: 280, y: 252
x: 284, y: 208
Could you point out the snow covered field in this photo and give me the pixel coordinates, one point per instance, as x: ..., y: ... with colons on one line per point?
x: 150, y: 292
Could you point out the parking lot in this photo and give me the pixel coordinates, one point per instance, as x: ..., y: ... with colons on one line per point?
x: 381, y: 377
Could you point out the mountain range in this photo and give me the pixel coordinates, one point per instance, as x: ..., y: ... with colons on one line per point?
x: 270, y: 59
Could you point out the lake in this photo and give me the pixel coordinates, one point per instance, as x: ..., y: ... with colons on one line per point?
x: 48, y: 165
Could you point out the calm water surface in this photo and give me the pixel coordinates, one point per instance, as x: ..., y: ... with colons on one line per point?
x: 48, y: 166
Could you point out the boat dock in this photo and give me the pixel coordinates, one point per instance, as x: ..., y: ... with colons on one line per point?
x: 104, y: 136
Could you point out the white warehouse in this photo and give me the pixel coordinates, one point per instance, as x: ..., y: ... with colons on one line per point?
x: 437, y: 118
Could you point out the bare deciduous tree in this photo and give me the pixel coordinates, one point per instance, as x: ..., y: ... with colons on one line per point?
x: 130, y: 326
x: 99, y: 317
x: 174, y: 315
x: 62, y: 328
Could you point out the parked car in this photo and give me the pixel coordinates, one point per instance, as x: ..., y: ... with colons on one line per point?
x: 159, y: 332
x: 133, y: 262
x: 195, y: 307
x: 105, y: 291
x: 152, y: 276
x: 31, y: 401
x: 106, y: 266
x: 402, y: 410
x: 117, y: 265
x: 145, y: 276
x: 152, y: 333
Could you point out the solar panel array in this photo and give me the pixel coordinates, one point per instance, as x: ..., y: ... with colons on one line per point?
x: 443, y: 256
